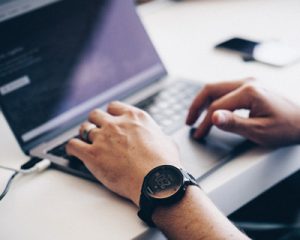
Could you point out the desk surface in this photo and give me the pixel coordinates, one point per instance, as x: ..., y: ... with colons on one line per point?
x: 57, y: 206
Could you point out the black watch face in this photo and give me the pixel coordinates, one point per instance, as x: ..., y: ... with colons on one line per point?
x: 164, y: 182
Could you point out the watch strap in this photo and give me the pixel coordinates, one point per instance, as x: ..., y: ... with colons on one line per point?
x: 146, y: 211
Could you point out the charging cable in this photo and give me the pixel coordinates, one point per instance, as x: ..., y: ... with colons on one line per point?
x: 34, y: 165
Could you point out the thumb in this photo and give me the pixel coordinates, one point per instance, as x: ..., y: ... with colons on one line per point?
x: 228, y: 121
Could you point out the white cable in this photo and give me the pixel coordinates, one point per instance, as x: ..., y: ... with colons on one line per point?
x: 39, y: 167
x: 9, y: 169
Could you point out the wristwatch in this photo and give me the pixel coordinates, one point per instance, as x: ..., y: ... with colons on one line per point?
x: 163, y: 186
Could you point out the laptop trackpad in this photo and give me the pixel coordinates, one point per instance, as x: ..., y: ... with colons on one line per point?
x: 200, y: 157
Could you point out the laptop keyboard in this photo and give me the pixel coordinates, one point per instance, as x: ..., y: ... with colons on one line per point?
x: 168, y: 108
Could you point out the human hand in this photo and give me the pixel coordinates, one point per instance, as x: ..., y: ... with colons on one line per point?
x: 124, y: 148
x: 273, y: 120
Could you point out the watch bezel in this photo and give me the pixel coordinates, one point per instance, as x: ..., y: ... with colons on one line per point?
x: 172, y: 198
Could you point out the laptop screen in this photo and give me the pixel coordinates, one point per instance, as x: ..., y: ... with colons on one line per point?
x: 61, y: 58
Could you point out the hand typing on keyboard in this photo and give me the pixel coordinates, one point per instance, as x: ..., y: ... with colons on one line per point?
x: 125, y: 136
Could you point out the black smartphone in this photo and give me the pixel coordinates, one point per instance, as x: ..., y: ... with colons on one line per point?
x: 240, y: 45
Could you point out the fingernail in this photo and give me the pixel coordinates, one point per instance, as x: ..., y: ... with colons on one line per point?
x: 221, y: 118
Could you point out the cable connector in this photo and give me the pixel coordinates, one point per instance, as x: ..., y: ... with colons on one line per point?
x: 35, y: 165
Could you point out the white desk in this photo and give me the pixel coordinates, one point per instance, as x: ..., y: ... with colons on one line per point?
x: 57, y: 206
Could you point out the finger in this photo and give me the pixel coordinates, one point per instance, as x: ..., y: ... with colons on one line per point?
x: 230, y: 122
x: 79, y: 149
x: 88, y: 132
x: 208, y: 94
x: 236, y: 99
x: 84, y: 127
x: 93, y: 134
x: 115, y: 108
x: 99, y: 117
x: 118, y: 108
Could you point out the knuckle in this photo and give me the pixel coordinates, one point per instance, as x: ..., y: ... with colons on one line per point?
x: 110, y: 107
x: 71, y: 145
x: 84, y: 125
x: 93, y: 113
x: 112, y: 104
x: 92, y: 152
x: 110, y: 125
x: 213, y: 107
x: 193, y: 107
x: 260, y: 127
x: 207, y: 87
x: 135, y: 113
x: 122, y: 124
x: 130, y: 113
x: 231, y: 124
x: 258, y: 131
x: 136, y: 124
x: 141, y: 114
x: 93, y: 133
x: 250, y: 88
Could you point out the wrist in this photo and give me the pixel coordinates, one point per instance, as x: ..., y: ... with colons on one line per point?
x: 170, y: 214
x: 137, y: 194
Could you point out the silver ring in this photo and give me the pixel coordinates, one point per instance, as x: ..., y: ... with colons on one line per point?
x: 86, y: 132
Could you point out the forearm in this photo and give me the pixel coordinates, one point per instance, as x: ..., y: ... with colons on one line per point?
x: 195, y: 217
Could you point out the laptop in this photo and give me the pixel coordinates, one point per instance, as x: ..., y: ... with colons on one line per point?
x: 59, y: 59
